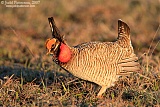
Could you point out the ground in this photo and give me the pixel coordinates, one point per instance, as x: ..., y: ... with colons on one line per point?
x: 28, y: 77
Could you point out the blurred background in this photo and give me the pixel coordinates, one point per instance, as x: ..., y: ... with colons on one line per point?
x: 23, y: 32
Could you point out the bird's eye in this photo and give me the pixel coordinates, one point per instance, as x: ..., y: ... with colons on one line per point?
x: 50, y: 43
x: 53, y: 46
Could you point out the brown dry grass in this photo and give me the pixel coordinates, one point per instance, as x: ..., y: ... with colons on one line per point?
x: 29, y: 78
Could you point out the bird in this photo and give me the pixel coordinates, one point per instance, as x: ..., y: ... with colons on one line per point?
x: 99, y: 62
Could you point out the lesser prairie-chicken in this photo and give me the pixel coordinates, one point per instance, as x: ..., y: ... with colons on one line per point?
x: 98, y: 62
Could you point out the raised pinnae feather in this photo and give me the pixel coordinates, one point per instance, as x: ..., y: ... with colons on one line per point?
x: 55, y: 31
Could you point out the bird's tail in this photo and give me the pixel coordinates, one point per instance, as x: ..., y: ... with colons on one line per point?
x: 123, y: 34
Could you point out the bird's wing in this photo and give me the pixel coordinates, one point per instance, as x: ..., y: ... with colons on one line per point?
x: 129, y: 65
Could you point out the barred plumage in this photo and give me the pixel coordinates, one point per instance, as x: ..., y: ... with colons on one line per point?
x: 101, y: 62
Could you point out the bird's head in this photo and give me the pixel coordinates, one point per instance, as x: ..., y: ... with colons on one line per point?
x: 52, y: 46
x: 57, y: 46
x: 58, y: 50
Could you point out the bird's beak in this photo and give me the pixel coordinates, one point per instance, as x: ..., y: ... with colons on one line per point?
x: 49, y: 52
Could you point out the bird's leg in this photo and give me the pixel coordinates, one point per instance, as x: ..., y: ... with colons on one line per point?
x: 102, y: 90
